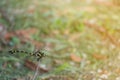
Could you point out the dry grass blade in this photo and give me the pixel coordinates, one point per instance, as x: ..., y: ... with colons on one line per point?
x: 101, y: 30
x: 31, y: 65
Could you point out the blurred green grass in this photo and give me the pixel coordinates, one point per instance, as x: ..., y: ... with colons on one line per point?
x: 62, y: 24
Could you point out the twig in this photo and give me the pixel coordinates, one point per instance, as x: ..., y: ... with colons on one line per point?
x: 37, y: 69
x: 36, y: 72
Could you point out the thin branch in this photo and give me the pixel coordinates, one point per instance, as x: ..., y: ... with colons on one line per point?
x: 36, y: 72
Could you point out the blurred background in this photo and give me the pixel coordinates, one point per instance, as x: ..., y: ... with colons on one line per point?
x: 80, y: 39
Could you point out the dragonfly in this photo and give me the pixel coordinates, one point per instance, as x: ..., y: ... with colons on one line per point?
x: 39, y: 53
